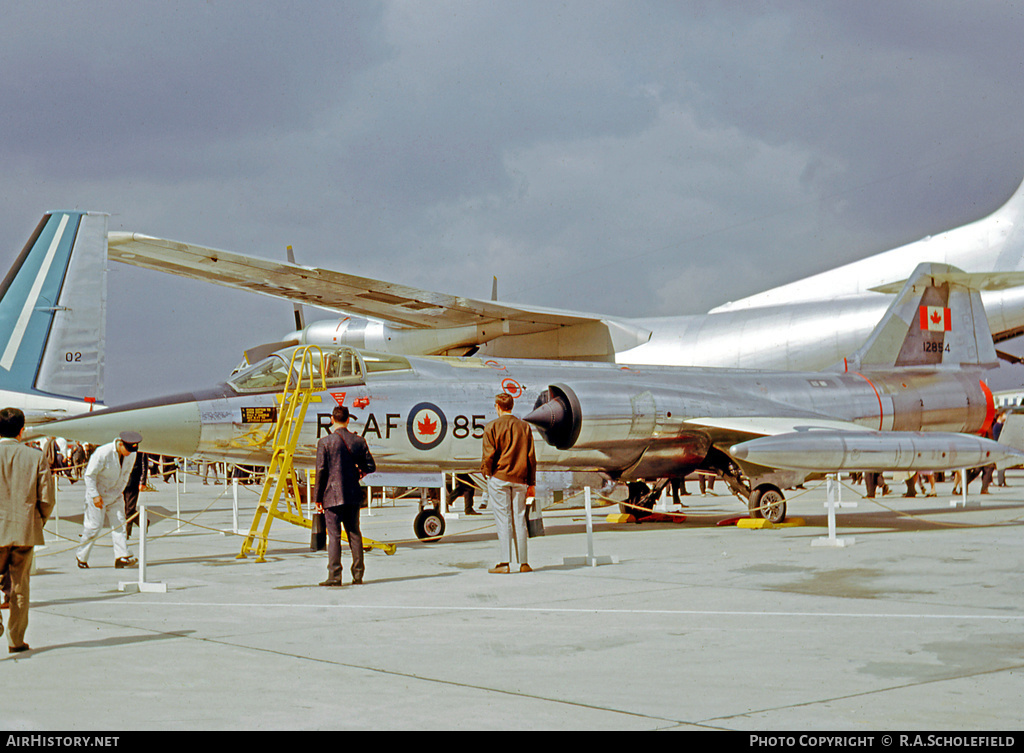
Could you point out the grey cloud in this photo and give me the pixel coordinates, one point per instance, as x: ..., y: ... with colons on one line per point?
x: 634, y: 158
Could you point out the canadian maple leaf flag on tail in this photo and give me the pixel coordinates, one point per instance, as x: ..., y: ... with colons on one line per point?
x: 936, y: 319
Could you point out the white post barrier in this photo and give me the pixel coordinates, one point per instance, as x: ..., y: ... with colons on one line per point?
x: 177, y: 506
x: 590, y: 559
x: 234, y: 505
x: 442, y: 498
x: 310, y: 493
x: 834, y: 501
x: 962, y: 502
x: 142, y: 584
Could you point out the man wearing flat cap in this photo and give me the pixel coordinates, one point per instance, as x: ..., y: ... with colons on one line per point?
x: 106, y: 477
x: 342, y: 458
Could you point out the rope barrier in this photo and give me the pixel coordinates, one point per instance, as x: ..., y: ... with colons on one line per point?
x: 937, y: 523
x: 819, y: 485
x: 191, y: 521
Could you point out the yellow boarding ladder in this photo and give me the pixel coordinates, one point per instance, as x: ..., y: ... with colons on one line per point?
x: 305, y: 376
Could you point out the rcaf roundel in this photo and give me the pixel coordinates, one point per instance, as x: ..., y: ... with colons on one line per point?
x: 427, y: 426
x: 936, y: 319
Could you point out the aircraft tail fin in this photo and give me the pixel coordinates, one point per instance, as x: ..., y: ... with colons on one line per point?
x: 1012, y: 435
x: 53, y: 310
x: 937, y: 320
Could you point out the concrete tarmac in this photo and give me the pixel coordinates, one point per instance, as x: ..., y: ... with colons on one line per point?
x: 918, y: 625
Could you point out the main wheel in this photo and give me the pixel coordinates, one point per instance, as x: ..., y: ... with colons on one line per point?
x: 768, y: 502
x: 429, y: 524
x: 637, y: 504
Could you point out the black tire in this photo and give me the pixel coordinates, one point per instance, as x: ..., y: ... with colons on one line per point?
x: 768, y: 502
x: 634, y: 504
x: 429, y: 524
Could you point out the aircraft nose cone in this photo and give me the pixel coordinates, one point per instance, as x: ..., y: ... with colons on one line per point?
x: 166, y: 429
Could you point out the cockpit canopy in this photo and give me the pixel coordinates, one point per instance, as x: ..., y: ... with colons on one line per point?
x: 341, y: 366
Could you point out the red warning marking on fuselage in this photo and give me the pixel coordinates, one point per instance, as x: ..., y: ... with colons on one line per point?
x: 878, y: 396
x: 990, y: 408
x: 512, y: 387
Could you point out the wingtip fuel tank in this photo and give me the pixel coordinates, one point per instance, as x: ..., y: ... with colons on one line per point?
x: 833, y: 451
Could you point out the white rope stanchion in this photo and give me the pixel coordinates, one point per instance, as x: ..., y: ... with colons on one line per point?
x: 142, y: 584
x: 234, y: 506
x: 962, y: 502
x: 442, y: 501
x: 834, y: 501
x: 590, y: 559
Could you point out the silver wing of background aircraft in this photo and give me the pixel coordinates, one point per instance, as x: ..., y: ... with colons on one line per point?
x: 426, y: 322
x: 808, y: 324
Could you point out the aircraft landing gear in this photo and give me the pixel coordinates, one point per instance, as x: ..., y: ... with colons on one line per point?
x: 429, y: 524
x: 642, y: 498
x: 767, y: 501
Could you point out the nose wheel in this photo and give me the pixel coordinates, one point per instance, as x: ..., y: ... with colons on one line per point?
x: 429, y: 524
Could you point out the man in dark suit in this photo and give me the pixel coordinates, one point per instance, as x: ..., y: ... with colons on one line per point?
x: 342, y: 458
x: 27, y: 498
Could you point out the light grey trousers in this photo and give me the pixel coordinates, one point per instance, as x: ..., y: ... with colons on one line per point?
x: 95, y: 518
x: 507, y: 502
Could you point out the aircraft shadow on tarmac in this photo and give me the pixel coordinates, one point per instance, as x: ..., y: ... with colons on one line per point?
x: 124, y: 640
x: 920, y: 520
x: 374, y: 581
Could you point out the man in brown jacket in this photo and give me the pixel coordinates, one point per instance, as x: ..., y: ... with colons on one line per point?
x: 26, y: 501
x: 510, y: 467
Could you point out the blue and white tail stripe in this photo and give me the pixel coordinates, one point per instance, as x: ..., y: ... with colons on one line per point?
x: 53, y: 314
x: 56, y: 239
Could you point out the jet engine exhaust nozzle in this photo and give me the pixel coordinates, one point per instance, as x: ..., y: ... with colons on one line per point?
x: 557, y: 416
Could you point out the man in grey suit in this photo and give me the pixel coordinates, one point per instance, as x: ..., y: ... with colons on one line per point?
x: 342, y: 458
x: 26, y: 501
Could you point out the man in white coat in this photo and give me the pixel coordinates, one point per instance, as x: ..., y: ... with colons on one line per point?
x: 106, y: 477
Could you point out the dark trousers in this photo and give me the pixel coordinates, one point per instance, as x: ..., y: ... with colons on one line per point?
x: 873, y: 481
x: 462, y: 489
x: 336, y: 518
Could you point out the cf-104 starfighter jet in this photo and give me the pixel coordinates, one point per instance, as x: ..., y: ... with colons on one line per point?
x: 913, y: 397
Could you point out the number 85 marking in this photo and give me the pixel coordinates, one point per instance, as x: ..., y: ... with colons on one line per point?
x: 461, y: 427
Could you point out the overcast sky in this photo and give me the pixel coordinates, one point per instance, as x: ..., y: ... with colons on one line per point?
x: 633, y: 158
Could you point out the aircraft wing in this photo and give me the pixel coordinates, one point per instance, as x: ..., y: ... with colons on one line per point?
x: 974, y: 280
x: 350, y: 294
x: 765, y: 426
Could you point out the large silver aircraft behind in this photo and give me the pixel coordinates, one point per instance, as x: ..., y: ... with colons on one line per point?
x: 53, y: 318
x: 912, y: 397
x: 807, y: 324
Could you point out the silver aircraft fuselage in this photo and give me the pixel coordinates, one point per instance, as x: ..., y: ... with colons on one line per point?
x: 798, y: 336
x: 429, y: 413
